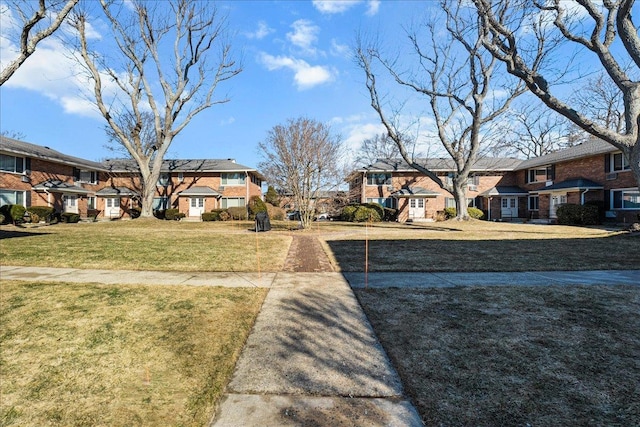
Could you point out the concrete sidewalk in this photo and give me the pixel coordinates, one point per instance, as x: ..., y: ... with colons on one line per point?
x: 312, y: 357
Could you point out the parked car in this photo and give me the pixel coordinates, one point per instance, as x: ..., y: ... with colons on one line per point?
x: 294, y: 216
x: 323, y: 217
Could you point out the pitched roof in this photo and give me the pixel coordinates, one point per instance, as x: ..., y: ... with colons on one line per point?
x: 26, y: 149
x: 200, y: 191
x: 414, y: 192
x: 117, y: 191
x: 576, y: 184
x: 57, y: 186
x: 183, y: 165
x: 443, y: 165
x: 504, y: 190
x: 589, y: 148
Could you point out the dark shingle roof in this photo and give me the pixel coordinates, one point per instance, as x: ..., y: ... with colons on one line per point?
x: 590, y: 148
x: 117, y: 191
x: 504, y: 190
x: 26, y: 149
x: 573, y: 184
x: 443, y: 165
x: 183, y: 165
x: 57, y: 186
x: 200, y: 191
x: 414, y: 191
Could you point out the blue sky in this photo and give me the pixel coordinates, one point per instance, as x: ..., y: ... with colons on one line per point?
x: 296, y: 59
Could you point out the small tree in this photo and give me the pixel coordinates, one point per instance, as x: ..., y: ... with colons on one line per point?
x: 272, y: 196
x: 303, y: 157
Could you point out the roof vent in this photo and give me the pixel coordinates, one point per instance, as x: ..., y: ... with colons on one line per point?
x: 232, y: 160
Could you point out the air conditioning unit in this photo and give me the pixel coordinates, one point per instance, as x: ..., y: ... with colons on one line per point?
x: 612, y: 176
x: 548, y: 183
x: 473, y: 187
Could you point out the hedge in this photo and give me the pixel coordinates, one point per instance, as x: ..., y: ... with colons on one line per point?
x: 256, y: 205
x: 275, y: 213
x: 173, y: 214
x: 70, y: 218
x: 364, y: 213
x: 13, y: 213
x: 348, y: 213
x: 43, y: 212
x: 238, y: 212
x: 474, y: 213
x: 571, y: 214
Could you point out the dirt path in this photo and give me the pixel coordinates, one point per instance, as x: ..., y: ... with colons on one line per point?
x: 306, y: 255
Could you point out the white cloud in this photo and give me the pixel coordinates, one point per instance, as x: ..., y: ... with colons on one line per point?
x: 306, y: 76
x: 304, y: 35
x: 334, y: 6
x: 374, y: 6
x: 261, y: 32
x: 227, y: 121
x: 338, y: 49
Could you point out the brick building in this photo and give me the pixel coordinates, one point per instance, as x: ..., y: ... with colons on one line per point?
x: 34, y: 175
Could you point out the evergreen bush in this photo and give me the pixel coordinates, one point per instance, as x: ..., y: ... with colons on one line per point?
x: 256, y: 205
x: 572, y: 214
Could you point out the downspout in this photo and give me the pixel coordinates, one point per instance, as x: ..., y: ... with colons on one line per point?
x: 363, y: 193
x: 246, y: 184
x: 489, y: 209
x: 582, y: 196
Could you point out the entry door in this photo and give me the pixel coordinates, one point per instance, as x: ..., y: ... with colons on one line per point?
x: 556, y: 200
x: 70, y: 203
x: 112, y: 207
x: 416, y: 208
x: 196, y: 207
x: 509, y: 207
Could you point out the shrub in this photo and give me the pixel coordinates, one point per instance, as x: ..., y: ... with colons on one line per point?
x: 364, y: 214
x: 441, y: 216
x: 377, y: 207
x: 390, y: 214
x: 450, y: 213
x: 571, y: 214
x: 256, y: 205
x: 238, y: 212
x: 210, y: 216
x: 69, y: 217
x: 35, y: 218
x: 475, y: 213
x: 2, y: 218
x: 93, y: 213
x: 135, y: 212
x: 159, y: 213
x: 275, y: 212
x: 348, y: 213
x: 271, y: 197
x: 13, y: 213
x: 43, y: 212
x: 173, y: 214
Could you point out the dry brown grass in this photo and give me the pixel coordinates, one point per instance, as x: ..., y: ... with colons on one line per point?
x: 108, y: 355
x: 481, y: 246
x: 146, y: 245
x: 546, y: 356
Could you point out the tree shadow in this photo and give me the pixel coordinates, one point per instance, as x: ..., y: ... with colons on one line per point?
x: 434, y: 255
x: 13, y: 234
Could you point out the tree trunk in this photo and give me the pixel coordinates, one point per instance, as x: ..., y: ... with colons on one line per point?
x: 147, y: 201
x: 460, y: 197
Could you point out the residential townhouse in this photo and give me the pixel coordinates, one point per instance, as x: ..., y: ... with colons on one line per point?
x: 509, y: 189
x: 34, y: 175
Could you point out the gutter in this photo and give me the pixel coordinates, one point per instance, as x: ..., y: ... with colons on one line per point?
x: 582, y: 196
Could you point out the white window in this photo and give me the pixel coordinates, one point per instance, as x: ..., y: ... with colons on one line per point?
x: 534, y: 202
x: 11, y: 197
x: 619, y: 163
x: 541, y: 174
x: 625, y: 199
x: 91, y: 202
x: 12, y: 163
x: 87, y: 176
x: 197, y: 202
x: 449, y: 202
x: 230, y: 202
x: 160, y: 203
x: 233, y: 178
x: 379, y: 179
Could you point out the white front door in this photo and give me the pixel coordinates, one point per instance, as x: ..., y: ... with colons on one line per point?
x: 416, y: 208
x: 509, y: 207
x: 196, y: 206
x: 70, y: 203
x: 555, y: 201
x: 112, y: 207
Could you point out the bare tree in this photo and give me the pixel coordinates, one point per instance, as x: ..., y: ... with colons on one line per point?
x: 302, y: 157
x: 603, y: 31
x: 459, y: 82
x: 381, y: 146
x: 532, y: 131
x: 165, y: 43
x: 37, y: 24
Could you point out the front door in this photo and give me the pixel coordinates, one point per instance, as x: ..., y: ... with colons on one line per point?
x: 416, y: 208
x: 112, y: 207
x: 554, y: 203
x: 509, y: 207
x: 70, y: 203
x: 196, y: 207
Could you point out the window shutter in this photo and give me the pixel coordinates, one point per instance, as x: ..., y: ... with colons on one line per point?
x: 553, y: 172
x: 27, y: 163
x: 27, y: 202
x: 94, y: 176
x: 76, y: 174
x: 607, y: 163
x: 607, y: 199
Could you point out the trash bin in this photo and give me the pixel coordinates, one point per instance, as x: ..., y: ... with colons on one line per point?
x: 262, y: 222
